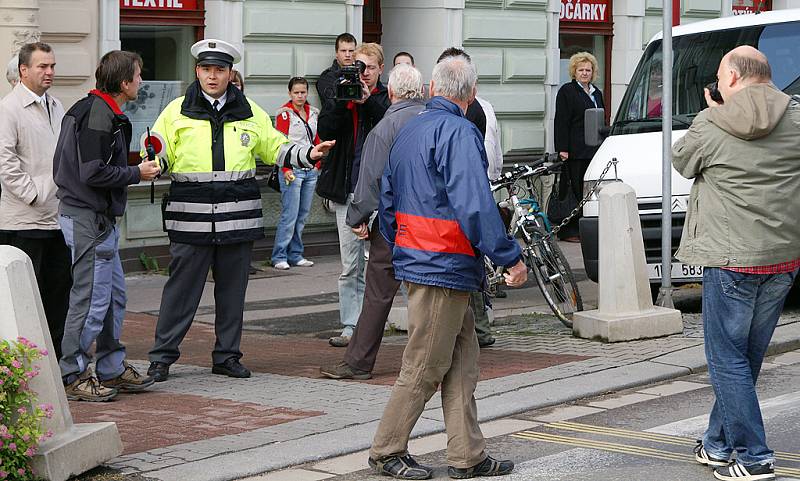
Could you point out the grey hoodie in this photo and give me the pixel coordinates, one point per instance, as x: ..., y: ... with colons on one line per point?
x: 374, y: 156
x: 744, y: 157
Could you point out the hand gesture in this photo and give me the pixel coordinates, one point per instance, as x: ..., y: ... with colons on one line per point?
x: 362, y: 231
x: 321, y: 149
x: 517, y: 275
x: 149, y: 170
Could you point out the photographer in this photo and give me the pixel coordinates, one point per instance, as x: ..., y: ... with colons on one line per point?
x: 744, y: 154
x: 345, y: 55
x: 348, y: 122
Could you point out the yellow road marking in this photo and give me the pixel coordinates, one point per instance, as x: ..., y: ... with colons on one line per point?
x: 662, y: 438
x: 625, y: 449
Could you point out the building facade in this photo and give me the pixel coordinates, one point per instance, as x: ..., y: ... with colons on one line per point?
x: 521, y: 48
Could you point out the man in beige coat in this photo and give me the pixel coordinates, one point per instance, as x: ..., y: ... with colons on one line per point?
x: 744, y: 156
x: 30, y: 122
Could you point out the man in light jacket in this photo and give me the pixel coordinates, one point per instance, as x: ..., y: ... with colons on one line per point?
x: 741, y: 225
x: 30, y: 122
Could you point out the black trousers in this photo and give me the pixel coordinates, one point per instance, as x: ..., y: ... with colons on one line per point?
x: 52, y: 264
x: 181, y: 296
x: 575, y: 170
x: 379, y: 292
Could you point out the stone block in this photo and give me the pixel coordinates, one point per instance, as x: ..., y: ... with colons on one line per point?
x: 74, y: 448
x: 625, y: 309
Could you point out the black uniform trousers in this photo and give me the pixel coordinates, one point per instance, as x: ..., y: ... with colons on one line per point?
x: 52, y: 264
x: 187, y: 277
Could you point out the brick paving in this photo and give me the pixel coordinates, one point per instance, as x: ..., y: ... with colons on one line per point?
x: 153, y: 420
x: 299, y: 356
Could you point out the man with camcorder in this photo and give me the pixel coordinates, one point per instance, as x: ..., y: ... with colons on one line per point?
x: 357, y: 102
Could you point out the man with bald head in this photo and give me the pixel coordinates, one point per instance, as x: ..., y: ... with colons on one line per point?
x: 744, y: 156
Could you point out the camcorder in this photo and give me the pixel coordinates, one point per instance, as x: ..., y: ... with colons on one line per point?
x: 713, y: 92
x: 348, y: 86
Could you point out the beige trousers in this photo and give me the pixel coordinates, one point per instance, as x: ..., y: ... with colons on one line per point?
x: 442, y: 350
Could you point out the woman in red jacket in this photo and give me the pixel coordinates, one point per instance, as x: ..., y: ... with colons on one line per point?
x: 298, y: 120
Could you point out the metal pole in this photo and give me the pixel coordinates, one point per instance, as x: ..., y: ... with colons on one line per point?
x: 665, y: 293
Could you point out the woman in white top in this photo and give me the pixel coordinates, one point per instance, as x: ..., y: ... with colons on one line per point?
x: 298, y: 120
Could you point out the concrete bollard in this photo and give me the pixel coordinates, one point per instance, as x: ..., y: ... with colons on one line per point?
x: 74, y: 448
x: 625, y: 309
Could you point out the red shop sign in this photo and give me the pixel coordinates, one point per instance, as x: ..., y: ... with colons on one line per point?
x: 159, y: 4
x: 741, y: 7
x: 584, y: 11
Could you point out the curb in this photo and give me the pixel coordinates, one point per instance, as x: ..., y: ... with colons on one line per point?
x: 276, y: 456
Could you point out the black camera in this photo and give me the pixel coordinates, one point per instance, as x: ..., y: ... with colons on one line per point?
x: 348, y: 86
x: 713, y: 92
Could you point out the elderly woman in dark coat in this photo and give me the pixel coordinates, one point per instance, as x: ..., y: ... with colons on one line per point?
x: 571, y: 101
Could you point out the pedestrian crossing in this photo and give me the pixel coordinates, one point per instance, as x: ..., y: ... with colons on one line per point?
x: 641, y: 443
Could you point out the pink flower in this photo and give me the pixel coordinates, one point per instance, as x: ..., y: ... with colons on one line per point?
x: 12, y: 447
x: 3, y: 474
x: 21, y: 471
x: 22, y: 410
x: 16, y: 364
x: 30, y: 452
x: 43, y: 352
x: 26, y: 437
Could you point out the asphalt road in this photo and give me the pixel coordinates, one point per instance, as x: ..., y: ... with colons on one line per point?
x: 647, y: 440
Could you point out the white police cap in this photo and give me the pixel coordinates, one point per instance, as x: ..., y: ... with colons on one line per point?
x: 215, y: 52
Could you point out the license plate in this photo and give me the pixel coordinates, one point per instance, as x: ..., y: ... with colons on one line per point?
x: 679, y: 271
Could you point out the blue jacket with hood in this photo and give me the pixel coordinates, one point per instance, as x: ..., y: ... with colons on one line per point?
x: 437, y: 211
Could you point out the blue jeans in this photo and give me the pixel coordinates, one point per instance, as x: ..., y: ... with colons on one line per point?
x: 295, y: 205
x: 354, y: 266
x: 97, y: 298
x: 740, y: 312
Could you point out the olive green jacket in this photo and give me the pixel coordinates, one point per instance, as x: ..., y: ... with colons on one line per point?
x: 744, y: 157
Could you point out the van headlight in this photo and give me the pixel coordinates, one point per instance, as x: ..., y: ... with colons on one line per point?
x: 589, y: 184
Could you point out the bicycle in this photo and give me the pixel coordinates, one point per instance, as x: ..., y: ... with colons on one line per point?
x: 524, y: 217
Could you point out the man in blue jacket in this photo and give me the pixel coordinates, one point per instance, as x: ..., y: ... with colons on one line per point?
x: 438, y: 214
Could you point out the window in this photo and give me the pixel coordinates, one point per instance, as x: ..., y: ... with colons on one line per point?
x: 695, y: 61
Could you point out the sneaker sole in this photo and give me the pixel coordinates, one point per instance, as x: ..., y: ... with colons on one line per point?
x: 94, y: 399
x: 752, y: 477
x: 130, y: 388
x: 357, y: 377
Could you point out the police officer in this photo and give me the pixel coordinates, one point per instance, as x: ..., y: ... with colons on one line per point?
x: 213, y: 213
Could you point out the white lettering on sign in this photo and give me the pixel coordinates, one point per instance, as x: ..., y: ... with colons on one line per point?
x: 582, y: 11
x: 153, y: 3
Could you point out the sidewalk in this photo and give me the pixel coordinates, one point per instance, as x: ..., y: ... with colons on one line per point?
x: 198, y: 426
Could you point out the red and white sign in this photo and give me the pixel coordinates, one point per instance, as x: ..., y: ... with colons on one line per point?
x: 584, y: 11
x: 159, y: 4
x: 741, y: 7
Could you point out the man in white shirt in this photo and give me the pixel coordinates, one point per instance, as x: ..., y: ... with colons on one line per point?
x: 30, y: 123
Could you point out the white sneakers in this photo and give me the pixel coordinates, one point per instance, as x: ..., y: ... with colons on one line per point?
x: 283, y: 265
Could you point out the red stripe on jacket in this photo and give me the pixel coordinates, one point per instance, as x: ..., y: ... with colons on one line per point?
x: 433, y: 235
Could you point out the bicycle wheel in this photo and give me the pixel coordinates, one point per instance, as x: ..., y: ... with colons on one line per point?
x: 554, y: 276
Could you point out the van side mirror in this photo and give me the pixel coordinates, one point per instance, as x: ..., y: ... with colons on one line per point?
x: 594, y: 127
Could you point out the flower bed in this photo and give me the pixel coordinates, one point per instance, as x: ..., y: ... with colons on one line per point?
x: 21, y: 416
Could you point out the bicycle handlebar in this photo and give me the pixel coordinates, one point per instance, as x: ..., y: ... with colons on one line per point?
x: 522, y: 171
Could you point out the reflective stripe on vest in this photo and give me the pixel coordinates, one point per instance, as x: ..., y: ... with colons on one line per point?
x: 221, y: 208
x: 224, y: 226
x: 432, y: 235
x: 221, y: 176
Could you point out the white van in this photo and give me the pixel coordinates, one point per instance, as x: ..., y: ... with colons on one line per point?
x: 635, y: 136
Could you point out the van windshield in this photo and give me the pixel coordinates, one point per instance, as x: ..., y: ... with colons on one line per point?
x: 695, y: 61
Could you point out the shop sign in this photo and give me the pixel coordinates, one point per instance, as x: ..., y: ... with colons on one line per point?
x: 584, y: 11
x: 159, y: 4
x: 741, y: 7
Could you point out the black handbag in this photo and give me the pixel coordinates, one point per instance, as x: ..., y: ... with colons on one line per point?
x: 562, y: 199
x: 274, y: 179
